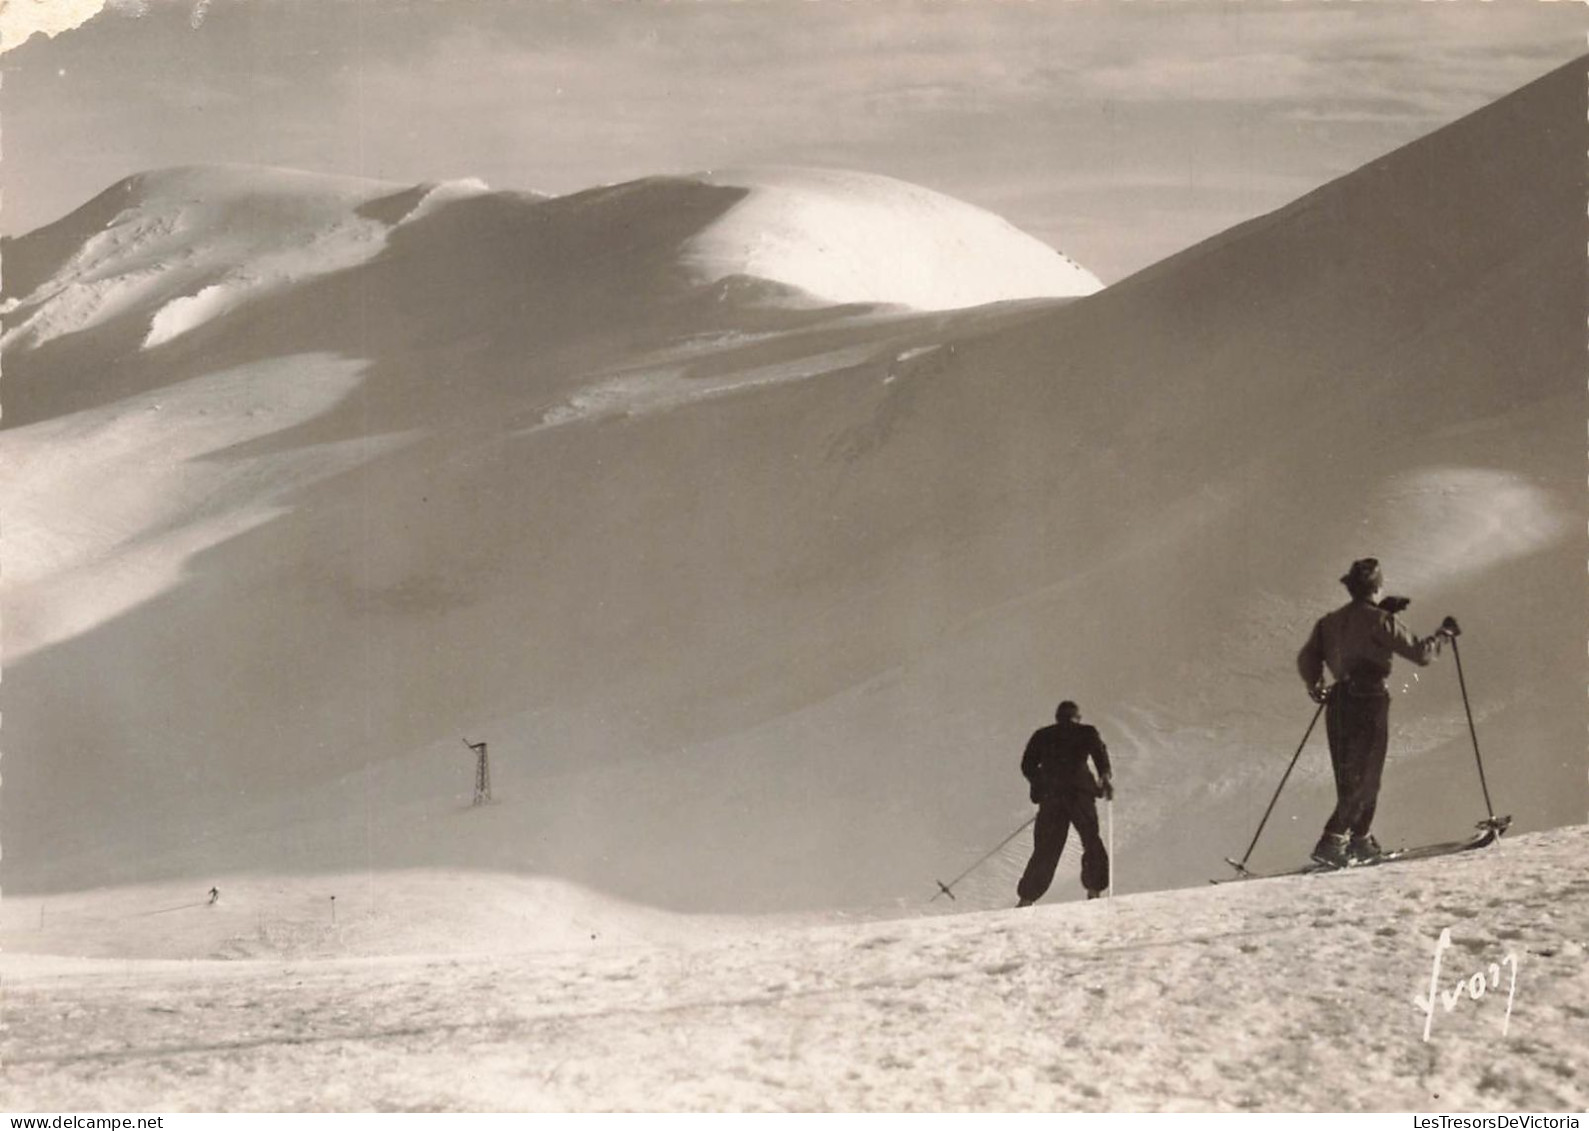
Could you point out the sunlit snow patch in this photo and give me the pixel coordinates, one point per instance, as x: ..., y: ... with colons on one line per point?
x: 88, y: 539
x: 849, y: 237
x: 1458, y: 521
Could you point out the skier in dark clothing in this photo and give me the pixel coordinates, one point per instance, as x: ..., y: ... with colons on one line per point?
x: 1065, y: 792
x: 1356, y: 643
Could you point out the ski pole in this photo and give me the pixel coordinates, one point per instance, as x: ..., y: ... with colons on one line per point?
x: 1111, y: 848
x: 1456, y: 654
x: 1242, y: 867
x: 943, y: 888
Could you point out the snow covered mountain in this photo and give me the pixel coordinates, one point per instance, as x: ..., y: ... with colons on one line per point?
x: 752, y: 544
x: 192, y: 244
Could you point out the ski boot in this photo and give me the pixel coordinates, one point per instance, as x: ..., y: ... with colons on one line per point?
x: 1364, y: 850
x: 1331, y: 850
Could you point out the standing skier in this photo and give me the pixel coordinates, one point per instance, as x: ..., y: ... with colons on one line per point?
x: 1356, y: 643
x: 1063, y: 789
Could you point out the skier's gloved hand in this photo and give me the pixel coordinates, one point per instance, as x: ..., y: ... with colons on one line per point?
x: 1035, y: 794
x: 1318, y: 692
x: 1106, y: 787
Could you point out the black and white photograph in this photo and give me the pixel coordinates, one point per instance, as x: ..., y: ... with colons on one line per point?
x: 947, y: 556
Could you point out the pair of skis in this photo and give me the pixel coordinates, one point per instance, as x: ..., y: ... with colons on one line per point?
x: 1490, y: 831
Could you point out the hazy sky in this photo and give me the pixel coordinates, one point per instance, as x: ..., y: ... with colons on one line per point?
x: 1117, y: 130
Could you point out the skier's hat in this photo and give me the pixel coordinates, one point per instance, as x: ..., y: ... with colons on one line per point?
x: 1364, y: 577
x: 1067, y: 710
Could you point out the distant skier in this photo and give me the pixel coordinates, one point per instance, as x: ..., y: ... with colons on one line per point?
x: 215, y: 895
x: 1356, y: 643
x: 1065, y: 792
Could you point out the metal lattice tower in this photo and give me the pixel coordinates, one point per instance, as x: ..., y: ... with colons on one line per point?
x: 482, y: 772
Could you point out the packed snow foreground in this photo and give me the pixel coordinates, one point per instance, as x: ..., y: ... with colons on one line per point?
x: 1457, y: 985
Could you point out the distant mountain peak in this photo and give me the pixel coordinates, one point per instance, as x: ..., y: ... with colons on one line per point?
x: 853, y: 237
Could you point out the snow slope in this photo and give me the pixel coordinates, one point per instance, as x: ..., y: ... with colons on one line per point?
x: 756, y: 598
x: 365, y: 914
x: 1283, y: 995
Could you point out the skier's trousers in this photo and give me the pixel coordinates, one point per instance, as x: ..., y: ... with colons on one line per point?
x: 1055, y: 816
x: 1357, y: 722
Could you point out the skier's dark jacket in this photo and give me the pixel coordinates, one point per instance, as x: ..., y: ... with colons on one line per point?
x: 1055, y: 761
